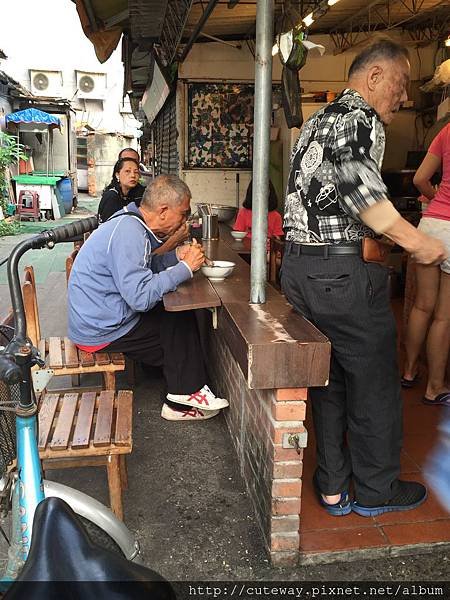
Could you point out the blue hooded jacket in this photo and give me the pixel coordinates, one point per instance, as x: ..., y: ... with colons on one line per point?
x: 115, y: 277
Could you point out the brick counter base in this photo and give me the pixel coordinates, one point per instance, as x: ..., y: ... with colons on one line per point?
x: 259, y: 422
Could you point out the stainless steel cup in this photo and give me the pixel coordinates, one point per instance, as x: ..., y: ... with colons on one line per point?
x: 210, y: 227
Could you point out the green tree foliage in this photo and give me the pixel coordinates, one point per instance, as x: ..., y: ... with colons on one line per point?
x: 10, y: 153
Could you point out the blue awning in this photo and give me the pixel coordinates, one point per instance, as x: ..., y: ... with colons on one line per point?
x: 33, y: 115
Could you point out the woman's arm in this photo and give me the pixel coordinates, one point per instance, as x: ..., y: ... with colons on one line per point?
x: 424, y: 173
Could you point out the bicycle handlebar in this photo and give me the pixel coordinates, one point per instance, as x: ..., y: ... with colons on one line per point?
x: 10, y: 372
x: 63, y: 232
x: 8, y: 369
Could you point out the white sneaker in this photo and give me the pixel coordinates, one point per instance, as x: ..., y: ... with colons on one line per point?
x: 186, y: 414
x: 203, y: 399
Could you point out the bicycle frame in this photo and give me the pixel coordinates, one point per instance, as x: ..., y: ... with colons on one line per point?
x: 27, y: 492
x: 28, y: 487
x: 20, y: 355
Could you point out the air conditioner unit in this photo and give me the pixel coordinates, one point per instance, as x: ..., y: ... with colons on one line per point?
x: 46, y: 83
x: 91, y: 86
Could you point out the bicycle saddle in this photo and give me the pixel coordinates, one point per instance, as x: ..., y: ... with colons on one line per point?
x: 64, y: 563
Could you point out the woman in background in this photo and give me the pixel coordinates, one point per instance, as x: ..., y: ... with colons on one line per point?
x: 119, y: 192
x: 274, y: 221
x: 432, y: 302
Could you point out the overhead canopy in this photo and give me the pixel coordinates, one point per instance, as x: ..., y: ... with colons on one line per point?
x: 33, y: 116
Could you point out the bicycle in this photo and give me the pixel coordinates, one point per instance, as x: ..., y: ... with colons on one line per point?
x: 23, y: 488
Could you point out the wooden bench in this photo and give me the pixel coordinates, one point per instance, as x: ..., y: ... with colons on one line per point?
x: 61, y: 355
x: 88, y: 429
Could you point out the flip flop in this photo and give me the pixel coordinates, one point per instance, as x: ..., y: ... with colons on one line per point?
x: 440, y: 400
x: 409, y: 383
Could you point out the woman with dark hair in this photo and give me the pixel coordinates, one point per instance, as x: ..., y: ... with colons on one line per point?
x: 123, y: 189
x: 244, y: 218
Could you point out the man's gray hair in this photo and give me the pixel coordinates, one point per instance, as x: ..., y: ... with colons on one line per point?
x: 165, y: 189
x: 381, y: 49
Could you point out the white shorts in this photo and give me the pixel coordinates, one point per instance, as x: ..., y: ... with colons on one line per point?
x: 440, y: 229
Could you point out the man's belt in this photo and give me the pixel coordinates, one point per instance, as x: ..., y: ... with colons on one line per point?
x: 324, y: 250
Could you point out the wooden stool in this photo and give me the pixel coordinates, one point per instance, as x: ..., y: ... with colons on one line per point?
x: 88, y: 429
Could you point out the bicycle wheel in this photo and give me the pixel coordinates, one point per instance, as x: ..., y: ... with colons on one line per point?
x: 99, y: 537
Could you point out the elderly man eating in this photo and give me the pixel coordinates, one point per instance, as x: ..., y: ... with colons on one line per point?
x: 115, y: 297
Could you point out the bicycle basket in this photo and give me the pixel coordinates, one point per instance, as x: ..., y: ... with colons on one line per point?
x: 8, y: 394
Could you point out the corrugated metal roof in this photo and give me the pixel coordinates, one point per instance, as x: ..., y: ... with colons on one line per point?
x: 104, y: 10
x: 147, y: 18
x: 240, y: 20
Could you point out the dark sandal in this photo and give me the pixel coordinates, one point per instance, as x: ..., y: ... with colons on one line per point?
x: 440, y: 400
x: 409, y: 383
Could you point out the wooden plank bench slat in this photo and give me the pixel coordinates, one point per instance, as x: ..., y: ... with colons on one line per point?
x: 103, y: 426
x: 46, y: 414
x: 102, y: 358
x: 61, y: 435
x: 42, y: 349
x: 71, y: 354
x: 86, y: 358
x: 83, y: 426
x: 122, y: 435
x: 55, y: 353
x: 118, y: 358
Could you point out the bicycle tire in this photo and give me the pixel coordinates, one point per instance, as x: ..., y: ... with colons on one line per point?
x: 100, y: 537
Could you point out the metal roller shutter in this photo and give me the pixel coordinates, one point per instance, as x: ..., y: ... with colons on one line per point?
x: 165, y: 139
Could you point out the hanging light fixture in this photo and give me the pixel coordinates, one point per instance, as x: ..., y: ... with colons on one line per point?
x: 308, y: 20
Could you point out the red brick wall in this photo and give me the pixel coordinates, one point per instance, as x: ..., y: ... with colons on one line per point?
x: 259, y: 421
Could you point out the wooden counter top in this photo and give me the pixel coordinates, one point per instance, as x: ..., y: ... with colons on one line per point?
x: 192, y: 294
x: 275, y: 347
x: 242, y: 247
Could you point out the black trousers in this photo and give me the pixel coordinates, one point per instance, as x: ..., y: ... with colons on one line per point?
x: 169, y: 340
x: 358, y: 416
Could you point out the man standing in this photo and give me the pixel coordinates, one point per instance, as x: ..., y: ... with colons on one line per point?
x: 335, y: 198
x: 115, y: 294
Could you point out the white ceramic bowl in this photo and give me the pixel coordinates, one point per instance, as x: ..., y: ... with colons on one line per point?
x: 238, y: 235
x: 218, y: 270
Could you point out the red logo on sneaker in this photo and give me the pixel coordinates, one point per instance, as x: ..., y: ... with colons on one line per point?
x: 191, y: 412
x: 201, y: 398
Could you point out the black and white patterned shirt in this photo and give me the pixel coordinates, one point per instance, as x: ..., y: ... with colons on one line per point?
x: 335, y: 173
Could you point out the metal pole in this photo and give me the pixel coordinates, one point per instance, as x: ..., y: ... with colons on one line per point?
x: 261, y: 145
x: 48, y: 147
x: 153, y: 152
